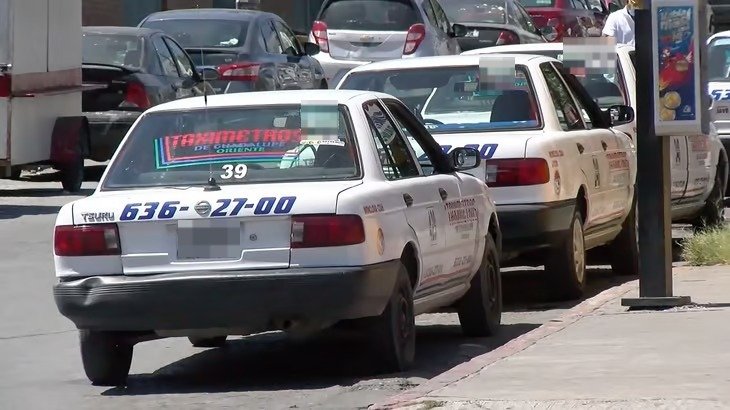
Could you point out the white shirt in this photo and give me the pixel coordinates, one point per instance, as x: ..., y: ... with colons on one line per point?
x: 620, y: 25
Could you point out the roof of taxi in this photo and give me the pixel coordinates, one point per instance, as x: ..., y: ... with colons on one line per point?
x: 265, y: 98
x: 514, y: 48
x: 442, y: 61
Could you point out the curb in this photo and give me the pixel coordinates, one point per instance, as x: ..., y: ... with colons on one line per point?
x: 511, y: 348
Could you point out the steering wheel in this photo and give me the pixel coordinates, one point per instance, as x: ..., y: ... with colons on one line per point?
x: 432, y: 121
x: 304, y: 148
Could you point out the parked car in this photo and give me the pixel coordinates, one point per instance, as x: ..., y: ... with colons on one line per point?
x: 699, y: 162
x: 571, y: 18
x: 494, y: 23
x: 252, y: 50
x: 718, y: 73
x: 352, y: 33
x: 563, y: 178
x: 131, y: 69
x: 366, y: 233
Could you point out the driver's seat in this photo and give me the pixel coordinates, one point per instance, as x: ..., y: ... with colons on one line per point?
x: 512, y: 105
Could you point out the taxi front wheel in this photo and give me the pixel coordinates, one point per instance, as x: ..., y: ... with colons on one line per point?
x: 566, y: 266
x: 106, y: 357
x: 480, y: 309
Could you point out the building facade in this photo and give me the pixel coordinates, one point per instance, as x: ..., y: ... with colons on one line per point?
x: 298, y: 13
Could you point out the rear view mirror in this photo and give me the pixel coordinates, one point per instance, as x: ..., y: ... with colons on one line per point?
x: 311, y: 49
x: 621, y: 114
x: 463, y: 159
x: 208, y: 74
x: 459, y: 30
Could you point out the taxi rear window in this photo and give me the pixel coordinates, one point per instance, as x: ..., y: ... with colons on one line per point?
x: 235, y: 146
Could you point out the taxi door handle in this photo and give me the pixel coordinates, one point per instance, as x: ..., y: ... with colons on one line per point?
x: 408, y: 199
x: 443, y: 194
x: 604, y: 145
x: 580, y: 147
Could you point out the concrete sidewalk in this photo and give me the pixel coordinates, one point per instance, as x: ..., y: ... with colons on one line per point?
x: 601, y: 356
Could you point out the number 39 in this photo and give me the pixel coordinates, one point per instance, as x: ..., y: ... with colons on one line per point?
x: 239, y: 171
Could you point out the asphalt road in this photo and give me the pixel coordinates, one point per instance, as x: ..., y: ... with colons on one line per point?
x: 40, y: 366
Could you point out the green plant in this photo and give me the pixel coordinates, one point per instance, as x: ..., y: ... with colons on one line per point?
x: 708, y: 248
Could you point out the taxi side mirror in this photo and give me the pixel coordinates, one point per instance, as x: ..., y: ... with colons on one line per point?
x: 463, y: 159
x: 621, y: 114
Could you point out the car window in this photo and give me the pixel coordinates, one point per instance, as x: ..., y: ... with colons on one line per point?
x: 526, y: 17
x: 169, y: 68
x: 288, y: 40
x: 451, y: 99
x: 719, y: 59
x: 607, y: 88
x: 430, y: 15
x: 370, y: 15
x: 271, y: 38
x: 393, y: 152
x: 193, y: 33
x: 520, y: 19
x: 114, y: 49
x: 568, y: 114
x: 441, y: 17
x: 181, y: 58
x: 417, y: 146
x: 475, y: 11
x: 233, y: 145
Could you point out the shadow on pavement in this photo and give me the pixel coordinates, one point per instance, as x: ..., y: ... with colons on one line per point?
x: 16, y: 211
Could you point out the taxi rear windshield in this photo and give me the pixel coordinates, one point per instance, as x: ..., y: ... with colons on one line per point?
x: 453, y: 99
x: 236, y: 146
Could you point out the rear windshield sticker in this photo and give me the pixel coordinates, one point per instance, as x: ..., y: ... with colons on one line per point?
x: 259, y: 145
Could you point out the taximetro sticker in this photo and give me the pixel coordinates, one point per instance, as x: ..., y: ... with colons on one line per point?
x: 462, y: 211
x: 617, y: 161
x: 224, y: 146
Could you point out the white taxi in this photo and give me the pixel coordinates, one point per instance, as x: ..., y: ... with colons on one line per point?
x: 718, y: 70
x: 196, y: 229
x: 562, y: 178
x: 699, y: 163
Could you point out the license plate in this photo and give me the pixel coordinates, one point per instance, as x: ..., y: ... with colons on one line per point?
x: 209, y: 239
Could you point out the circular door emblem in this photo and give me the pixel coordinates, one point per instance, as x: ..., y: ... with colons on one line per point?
x: 556, y: 181
x: 202, y: 208
x: 381, y: 242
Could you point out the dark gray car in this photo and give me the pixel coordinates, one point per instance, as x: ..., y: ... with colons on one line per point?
x: 252, y: 50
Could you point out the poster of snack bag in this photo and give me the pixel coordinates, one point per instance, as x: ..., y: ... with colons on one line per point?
x: 679, y: 100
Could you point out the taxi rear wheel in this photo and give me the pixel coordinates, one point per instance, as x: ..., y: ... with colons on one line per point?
x: 713, y: 212
x: 480, y: 310
x: 393, y: 333
x: 217, y: 341
x: 565, y: 269
x: 106, y: 357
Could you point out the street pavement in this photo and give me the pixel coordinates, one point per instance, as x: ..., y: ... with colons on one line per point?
x: 606, y: 357
x: 41, y: 367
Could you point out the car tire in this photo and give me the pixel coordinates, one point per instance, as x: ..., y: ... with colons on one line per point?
x: 565, y: 268
x: 218, y: 341
x: 106, y: 357
x: 625, y: 248
x: 480, y: 309
x: 712, y: 215
x: 392, y: 335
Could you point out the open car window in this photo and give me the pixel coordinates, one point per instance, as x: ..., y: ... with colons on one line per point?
x: 235, y: 146
x: 452, y: 99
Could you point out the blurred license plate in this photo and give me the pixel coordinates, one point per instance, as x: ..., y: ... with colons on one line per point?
x: 209, y: 239
x: 473, y: 33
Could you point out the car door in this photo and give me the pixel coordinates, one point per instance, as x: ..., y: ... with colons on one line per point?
x: 588, y: 143
x: 451, y: 45
x: 295, y: 57
x: 185, y: 85
x: 170, y: 74
x: 700, y: 167
x: 531, y: 33
x: 283, y: 74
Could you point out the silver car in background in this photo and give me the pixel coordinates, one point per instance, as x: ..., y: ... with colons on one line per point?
x: 351, y: 33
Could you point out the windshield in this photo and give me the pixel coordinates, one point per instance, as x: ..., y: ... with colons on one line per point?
x: 719, y: 59
x: 475, y: 11
x: 451, y: 99
x: 370, y: 15
x: 113, y: 49
x: 194, y: 33
x: 537, y: 3
x: 233, y: 146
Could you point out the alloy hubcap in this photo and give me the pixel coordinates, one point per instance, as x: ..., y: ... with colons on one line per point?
x: 578, y: 253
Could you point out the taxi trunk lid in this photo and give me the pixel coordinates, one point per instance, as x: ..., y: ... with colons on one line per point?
x: 239, y: 227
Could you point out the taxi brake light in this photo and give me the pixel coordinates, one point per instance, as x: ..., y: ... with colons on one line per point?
x: 320, y: 231
x: 517, y: 172
x: 86, y: 240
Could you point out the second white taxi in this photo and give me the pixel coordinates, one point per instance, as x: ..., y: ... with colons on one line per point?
x: 207, y: 224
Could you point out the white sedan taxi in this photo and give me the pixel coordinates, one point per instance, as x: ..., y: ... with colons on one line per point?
x: 206, y: 224
x: 699, y: 162
x: 562, y: 178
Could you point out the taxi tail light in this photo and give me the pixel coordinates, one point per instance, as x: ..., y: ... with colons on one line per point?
x: 320, y: 231
x: 517, y: 172
x: 319, y: 32
x: 240, y: 71
x: 87, y: 240
x: 414, y: 38
x: 507, y: 37
x: 5, y: 85
x: 136, y: 95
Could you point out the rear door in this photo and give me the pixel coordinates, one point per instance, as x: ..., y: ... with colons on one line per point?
x: 446, y: 44
x: 368, y: 30
x: 5, y: 44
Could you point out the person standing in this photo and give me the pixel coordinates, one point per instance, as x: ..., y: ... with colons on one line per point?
x: 620, y: 24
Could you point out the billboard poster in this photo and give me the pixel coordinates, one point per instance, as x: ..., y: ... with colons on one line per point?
x: 680, y: 97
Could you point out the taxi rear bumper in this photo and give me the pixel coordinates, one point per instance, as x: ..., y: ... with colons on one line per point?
x: 531, y: 227
x: 251, y: 300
